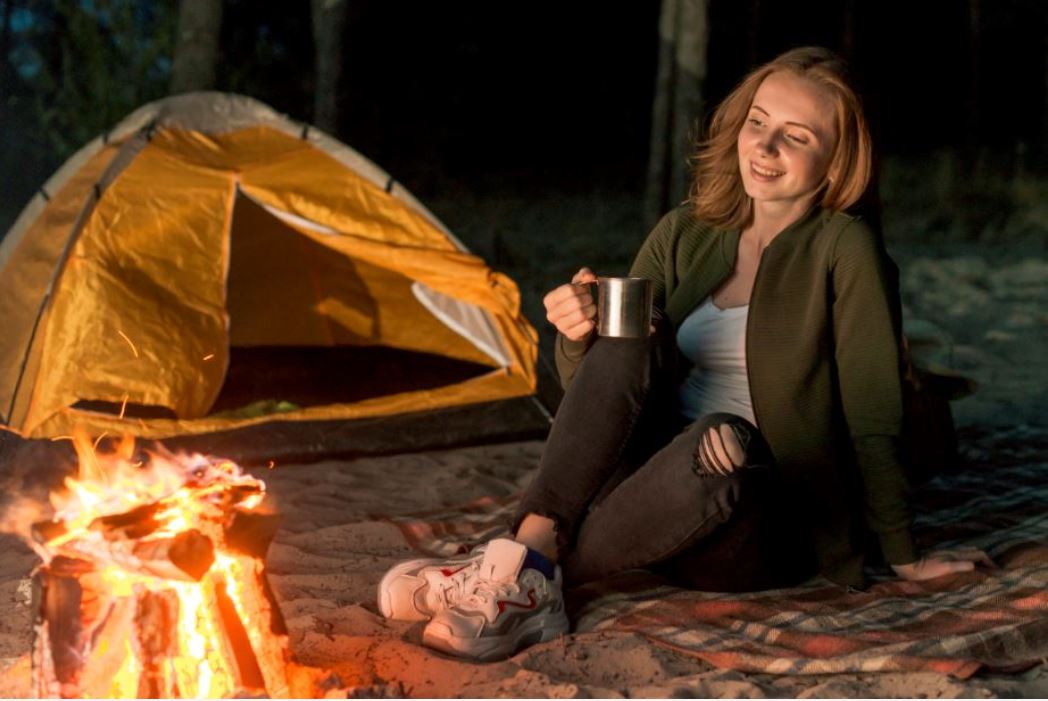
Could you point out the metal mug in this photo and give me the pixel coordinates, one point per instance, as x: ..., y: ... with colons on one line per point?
x: 624, y: 307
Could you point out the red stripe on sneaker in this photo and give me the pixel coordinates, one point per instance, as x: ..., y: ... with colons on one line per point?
x: 447, y: 572
x: 502, y: 604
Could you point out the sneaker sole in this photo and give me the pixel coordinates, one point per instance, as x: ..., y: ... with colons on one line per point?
x: 532, y: 632
x: 385, y: 601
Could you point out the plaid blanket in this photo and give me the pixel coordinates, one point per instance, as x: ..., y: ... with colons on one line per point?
x: 994, y: 619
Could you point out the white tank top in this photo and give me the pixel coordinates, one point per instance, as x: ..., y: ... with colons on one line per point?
x: 714, y: 340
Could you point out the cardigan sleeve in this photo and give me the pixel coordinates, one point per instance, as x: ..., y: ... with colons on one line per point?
x: 865, y: 331
x: 649, y: 263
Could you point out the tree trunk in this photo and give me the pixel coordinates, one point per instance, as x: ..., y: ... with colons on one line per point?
x: 329, y: 21
x: 678, y: 107
x: 196, y: 45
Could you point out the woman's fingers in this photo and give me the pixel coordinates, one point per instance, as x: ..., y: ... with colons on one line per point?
x: 974, y: 555
x: 978, y: 557
x: 575, y: 323
x: 583, y: 276
x: 568, y: 298
x: 951, y: 567
x: 571, y: 307
x: 567, y: 294
x: 943, y: 563
x: 580, y: 330
x: 572, y: 318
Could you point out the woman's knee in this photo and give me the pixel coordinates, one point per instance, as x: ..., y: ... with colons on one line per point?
x: 624, y: 352
x: 633, y: 352
x: 726, y: 443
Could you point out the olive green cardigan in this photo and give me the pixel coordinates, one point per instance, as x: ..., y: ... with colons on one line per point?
x: 822, y: 355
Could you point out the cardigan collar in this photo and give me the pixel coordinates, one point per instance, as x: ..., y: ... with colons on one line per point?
x: 707, y: 272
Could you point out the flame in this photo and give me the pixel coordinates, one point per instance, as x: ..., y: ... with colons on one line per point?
x: 191, y: 490
x: 125, y: 681
x: 182, y: 492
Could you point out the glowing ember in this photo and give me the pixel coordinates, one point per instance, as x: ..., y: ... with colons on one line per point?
x: 153, y: 584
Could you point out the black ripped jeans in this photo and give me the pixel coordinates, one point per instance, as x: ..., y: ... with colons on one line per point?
x: 629, y: 484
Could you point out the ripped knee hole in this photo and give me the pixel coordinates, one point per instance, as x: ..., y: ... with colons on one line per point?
x: 721, y: 450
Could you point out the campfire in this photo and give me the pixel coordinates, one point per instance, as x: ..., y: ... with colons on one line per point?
x: 153, y: 584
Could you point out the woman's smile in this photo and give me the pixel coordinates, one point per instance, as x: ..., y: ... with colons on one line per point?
x: 765, y: 174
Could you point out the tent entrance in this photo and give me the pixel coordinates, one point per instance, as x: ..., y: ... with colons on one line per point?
x: 267, y: 379
x: 310, y: 326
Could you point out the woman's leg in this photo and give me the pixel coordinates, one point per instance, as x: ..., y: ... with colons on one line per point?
x: 615, y: 396
x: 713, y: 484
x: 515, y: 597
x: 616, y: 412
x: 759, y: 547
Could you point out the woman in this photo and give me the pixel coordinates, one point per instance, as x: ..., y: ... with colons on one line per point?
x: 752, y: 440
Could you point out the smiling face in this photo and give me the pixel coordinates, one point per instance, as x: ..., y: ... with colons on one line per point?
x: 786, y: 143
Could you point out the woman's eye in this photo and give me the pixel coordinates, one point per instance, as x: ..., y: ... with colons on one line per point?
x: 797, y: 139
x: 754, y: 121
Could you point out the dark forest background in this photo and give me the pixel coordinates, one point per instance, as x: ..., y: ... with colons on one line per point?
x: 550, y: 93
x: 531, y: 129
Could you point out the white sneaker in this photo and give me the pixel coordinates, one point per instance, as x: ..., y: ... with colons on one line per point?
x: 508, y: 608
x: 417, y: 589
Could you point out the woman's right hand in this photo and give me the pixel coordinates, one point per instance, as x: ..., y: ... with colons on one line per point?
x: 571, y: 307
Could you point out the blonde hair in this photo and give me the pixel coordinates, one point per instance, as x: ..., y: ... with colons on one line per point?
x: 717, y: 194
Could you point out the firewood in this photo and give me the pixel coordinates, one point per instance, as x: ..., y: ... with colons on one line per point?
x: 129, y: 525
x: 45, y: 531
x: 136, y: 523
x: 251, y: 533
x: 60, y: 612
x: 63, y: 566
x: 247, y: 664
x: 156, y: 622
x: 187, y: 555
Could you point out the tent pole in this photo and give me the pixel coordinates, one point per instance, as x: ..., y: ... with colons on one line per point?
x: 28, y: 349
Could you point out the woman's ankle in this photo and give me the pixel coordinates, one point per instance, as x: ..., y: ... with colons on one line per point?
x: 540, y: 534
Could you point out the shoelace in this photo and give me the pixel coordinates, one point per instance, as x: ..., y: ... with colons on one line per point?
x: 486, y: 591
x: 453, y: 588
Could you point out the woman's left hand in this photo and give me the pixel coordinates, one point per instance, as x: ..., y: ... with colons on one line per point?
x: 943, y: 562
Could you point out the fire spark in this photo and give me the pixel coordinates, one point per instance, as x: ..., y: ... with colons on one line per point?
x: 153, y: 583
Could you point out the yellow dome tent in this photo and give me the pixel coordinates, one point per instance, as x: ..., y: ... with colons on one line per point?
x: 209, y: 265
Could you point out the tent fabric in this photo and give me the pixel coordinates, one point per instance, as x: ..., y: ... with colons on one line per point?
x: 207, y: 221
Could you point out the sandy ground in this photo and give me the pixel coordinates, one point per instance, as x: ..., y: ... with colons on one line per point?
x: 328, y: 557
x: 985, y: 317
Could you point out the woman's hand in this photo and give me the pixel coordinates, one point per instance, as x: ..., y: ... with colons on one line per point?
x: 571, y: 307
x: 943, y: 562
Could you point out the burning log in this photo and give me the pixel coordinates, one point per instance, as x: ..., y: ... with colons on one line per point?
x: 162, y: 599
x: 186, y: 555
x: 136, y: 523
